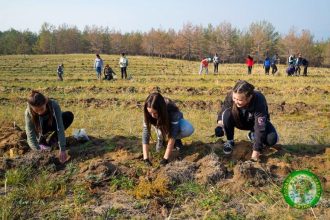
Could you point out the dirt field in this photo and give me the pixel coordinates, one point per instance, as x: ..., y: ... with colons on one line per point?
x: 105, y: 177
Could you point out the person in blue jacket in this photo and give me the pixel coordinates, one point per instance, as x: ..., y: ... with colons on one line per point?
x: 246, y: 109
x: 266, y: 66
x: 165, y: 116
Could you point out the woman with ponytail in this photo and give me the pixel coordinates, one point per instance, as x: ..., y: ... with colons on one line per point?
x: 45, y: 124
x: 246, y: 109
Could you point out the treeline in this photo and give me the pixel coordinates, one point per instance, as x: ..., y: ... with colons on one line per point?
x: 191, y: 42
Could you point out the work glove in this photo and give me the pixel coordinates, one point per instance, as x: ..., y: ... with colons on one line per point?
x: 219, y: 131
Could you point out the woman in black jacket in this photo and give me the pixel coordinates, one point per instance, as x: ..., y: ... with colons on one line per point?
x: 246, y: 109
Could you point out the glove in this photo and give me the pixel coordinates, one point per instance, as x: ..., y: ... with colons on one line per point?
x: 163, y: 162
x: 147, y: 162
x: 219, y: 131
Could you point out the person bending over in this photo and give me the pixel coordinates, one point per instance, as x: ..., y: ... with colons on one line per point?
x: 45, y: 124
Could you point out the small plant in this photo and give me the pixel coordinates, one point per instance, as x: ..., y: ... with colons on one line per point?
x: 121, y: 182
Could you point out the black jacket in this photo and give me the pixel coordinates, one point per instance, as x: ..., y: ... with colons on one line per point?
x: 254, y: 116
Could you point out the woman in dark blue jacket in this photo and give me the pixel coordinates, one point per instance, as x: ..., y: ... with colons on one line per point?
x: 168, y: 120
x: 246, y: 109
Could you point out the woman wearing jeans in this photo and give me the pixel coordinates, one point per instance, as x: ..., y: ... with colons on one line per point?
x: 169, y: 123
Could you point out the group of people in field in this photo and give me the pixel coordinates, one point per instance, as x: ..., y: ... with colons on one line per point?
x: 99, y: 67
x: 107, y: 70
x: 270, y: 63
x: 295, y: 64
x: 204, y: 65
x: 244, y: 108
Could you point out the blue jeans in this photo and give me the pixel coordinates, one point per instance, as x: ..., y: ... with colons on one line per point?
x: 186, y: 129
x: 98, y: 71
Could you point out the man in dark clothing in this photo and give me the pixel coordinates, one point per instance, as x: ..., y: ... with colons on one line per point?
x: 304, y: 62
x: 273, y: 64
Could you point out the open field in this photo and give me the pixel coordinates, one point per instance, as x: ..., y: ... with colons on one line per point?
x: 106, y: 178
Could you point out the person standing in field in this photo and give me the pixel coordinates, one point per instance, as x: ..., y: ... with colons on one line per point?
x: 249, y: 63
x: 267, y: 65
x: 165, y: 116
x: 123, y: 63
x: 297, y: 65
x: 60, y: 72
x: 304, y: 62
x: 292, y: 59
x: 216, y: 61
x: 45, y: 124
x: 98, y: 66
x: 204, y: 65
x: 273, y: 63
x: 246, y: 109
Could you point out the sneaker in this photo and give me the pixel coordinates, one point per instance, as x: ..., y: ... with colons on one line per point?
x: 228, y: 147
x: 251, y: 136
x: 159, y: 145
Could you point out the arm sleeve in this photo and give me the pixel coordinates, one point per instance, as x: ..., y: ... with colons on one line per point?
x: 175, y: 118
x: 260, y: 125
x: 60, y: 126
x: 145, y: 134
x: 228, y: 103
x: 31, y: 132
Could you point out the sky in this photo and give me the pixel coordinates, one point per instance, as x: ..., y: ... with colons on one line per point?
x: 142, y: 15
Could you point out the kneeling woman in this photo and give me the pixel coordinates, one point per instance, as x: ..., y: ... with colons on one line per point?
x: 169, y: 123
x: 246, y: 109
x: 45, y: 124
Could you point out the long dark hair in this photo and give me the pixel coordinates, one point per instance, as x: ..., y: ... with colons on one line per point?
x: 241, y: 87
x: 36, y: 99
x: 157, y: 102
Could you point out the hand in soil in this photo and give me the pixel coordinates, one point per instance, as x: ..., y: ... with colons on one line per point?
x: 63, y: 156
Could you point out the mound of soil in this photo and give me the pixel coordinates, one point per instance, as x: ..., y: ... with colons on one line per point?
x: 12, y: 141
x: 210, y: 170
x: 34, y: 159
x: 179, y: 171
x: 98, y: 171
x: 249, y: 173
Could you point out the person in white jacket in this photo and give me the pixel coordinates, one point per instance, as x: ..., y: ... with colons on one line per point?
x: 123, y: 63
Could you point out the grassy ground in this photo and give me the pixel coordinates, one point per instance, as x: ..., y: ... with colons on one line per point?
x: 299, y: 109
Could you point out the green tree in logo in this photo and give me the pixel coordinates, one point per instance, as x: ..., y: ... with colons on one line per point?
x: 302, y: 186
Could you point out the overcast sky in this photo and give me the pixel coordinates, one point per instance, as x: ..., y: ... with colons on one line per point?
x: 142, y: 15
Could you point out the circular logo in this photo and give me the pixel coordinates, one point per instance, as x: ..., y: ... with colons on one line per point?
x: 302, y: 189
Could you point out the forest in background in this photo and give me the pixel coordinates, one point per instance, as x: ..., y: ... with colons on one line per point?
x: 191, y: 42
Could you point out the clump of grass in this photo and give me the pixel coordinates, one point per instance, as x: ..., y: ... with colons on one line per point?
x: 149, y: 189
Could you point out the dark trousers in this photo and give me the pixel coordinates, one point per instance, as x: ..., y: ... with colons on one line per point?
x: 216, y: 67
x: 123, y: 72
x: 47, y: 131
x: 305, y: 70
x: 249, y: 69
x: 274, y: 69
x: 297, y: 70
x: 60, y: 77
x: 229, y: 126
x: 267, y: 70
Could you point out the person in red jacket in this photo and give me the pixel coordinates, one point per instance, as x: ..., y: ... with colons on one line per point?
x: 204, y: 65
x: 249, y: 63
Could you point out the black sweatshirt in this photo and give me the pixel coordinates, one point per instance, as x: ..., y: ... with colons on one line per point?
x: 254, y: 116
